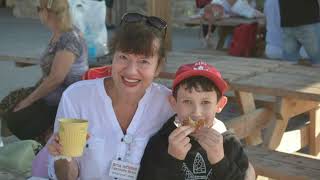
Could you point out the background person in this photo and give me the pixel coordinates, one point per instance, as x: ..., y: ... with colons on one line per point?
x: 62, y: 63
x: 300, y: 22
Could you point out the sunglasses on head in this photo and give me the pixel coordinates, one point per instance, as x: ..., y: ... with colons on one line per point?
x: 153, y: 21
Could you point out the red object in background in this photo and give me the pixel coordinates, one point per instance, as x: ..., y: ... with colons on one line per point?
x: 202, y: 3
x: 244, y: 40
x: 98, y: 72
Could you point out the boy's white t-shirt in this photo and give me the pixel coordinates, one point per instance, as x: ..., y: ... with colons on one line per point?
x: 88, y: 100
x: 219, y: 126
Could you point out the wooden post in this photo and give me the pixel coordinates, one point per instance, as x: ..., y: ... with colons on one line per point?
x: 315, y: 132
x: 162, y: 8
x: 119, y: 8
x: 246, y: 101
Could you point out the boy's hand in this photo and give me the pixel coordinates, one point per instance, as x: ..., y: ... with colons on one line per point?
x: 179, y: 142
x: 212, y: 142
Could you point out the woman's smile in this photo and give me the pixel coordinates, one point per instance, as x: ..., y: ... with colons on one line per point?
x: 130, y: 82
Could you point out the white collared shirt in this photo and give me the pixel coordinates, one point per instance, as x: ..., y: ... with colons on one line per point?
x: 88, y: 100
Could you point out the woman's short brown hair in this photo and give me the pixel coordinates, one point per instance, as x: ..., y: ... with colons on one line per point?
x: 139, y: 38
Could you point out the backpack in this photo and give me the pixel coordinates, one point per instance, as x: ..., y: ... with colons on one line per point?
x: 202, y: 3
x: 244, y: 40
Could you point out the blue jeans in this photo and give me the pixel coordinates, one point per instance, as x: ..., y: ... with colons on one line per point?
x: 307, y: 36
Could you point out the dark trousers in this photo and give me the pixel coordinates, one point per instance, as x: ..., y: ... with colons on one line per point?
x: 32, y: 121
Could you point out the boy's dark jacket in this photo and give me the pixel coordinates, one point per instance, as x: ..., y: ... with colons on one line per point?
x: 157, y: 164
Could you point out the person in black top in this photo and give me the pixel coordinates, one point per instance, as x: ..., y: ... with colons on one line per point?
x: 300, y: 23
x: 193, y: 144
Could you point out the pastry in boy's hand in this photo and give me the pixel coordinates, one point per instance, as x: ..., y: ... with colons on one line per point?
x: 189, y: 122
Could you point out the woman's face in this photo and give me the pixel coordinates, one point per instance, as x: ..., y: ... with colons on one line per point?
x: 44, y: 17
x: 133, y: 73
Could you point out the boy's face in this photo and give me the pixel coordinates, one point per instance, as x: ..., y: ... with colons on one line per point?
x: 197, y: 105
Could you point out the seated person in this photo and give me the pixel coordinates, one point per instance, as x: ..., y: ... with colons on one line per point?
x: 219, y: 9
x: 193, y: 143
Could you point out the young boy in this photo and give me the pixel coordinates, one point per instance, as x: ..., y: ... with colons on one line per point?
x: 193, y: 144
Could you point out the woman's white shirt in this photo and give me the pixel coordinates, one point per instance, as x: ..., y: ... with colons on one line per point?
x: 88, y: 100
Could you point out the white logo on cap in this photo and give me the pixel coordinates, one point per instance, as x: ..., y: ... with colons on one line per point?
x: 198, y: 68
x: 201, y: 66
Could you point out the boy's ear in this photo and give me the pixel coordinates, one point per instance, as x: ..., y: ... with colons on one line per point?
x: 221, y: 103
x: 173, y: 102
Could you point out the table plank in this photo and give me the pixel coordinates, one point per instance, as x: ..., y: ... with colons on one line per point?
x: 230, y: 21
x: 282, y: 165
x: 17, y: 59
x: 298, y: 85
x: 231, y: 68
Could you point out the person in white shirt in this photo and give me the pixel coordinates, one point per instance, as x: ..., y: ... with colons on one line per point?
x: 219, y: 9
x: 123, y: 110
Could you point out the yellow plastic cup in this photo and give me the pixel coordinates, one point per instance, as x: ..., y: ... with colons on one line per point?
x: 73, y: 136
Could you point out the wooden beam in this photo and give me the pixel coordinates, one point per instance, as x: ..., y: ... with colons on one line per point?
x: 246, y: 102
x: 277, y: 126
x: 119, y: 8
x: 162, y: 8
x: 244, y: 125
x: 315, y: 131
x: 24, y: 61
x: 287, y: 108
x: 166, y: 75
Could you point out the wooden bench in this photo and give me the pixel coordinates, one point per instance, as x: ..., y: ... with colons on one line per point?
x: 283, y: 166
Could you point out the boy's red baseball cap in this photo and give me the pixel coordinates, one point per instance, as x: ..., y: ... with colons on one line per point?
x: 200, y: 68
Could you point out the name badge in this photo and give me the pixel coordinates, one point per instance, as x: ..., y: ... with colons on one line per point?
x: 124, y: 170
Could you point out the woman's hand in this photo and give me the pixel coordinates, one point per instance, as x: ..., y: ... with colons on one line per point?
x: 64, y: 169
x: 212, y: 142
x: 179, y: 142
x: 54, y: 147
x: 22, y: 104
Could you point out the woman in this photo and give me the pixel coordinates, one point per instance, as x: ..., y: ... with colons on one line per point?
x: 63, y: 62
x: 123, y: 110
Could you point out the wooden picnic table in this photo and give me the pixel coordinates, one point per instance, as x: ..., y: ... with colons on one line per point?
x: 297, y: 91
x: 225, y: 26
x: 296, y: 88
